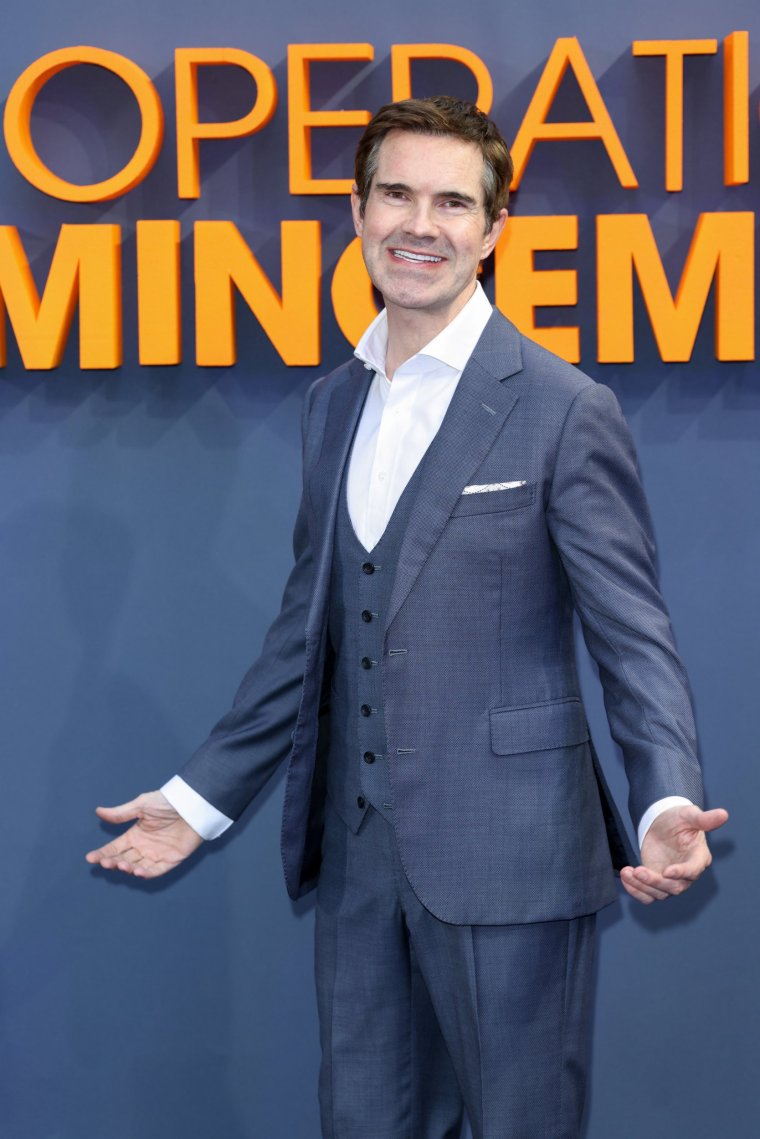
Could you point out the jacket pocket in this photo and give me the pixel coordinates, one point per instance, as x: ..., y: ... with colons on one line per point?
x: 494, y: 501
x: 538, y: 727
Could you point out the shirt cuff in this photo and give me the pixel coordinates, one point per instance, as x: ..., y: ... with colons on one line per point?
x: 656, y: 810
x: 194, y: 809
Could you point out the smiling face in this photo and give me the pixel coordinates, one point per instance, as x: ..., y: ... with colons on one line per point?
x: 424, y: 229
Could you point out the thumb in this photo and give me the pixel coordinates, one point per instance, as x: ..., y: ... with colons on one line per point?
x: 711, y: 820
x: 121, y: 814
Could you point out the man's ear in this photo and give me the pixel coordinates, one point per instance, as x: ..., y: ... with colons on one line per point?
x: 494, y: 233
x: 356, y: 210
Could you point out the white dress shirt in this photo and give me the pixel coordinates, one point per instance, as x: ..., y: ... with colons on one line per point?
x: 401, y: 418
x: 398, y: 423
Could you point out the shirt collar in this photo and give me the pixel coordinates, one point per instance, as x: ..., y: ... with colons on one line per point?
x: 453, y: 346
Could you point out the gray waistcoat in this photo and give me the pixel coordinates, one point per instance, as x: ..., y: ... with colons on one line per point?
x: 360, y: 591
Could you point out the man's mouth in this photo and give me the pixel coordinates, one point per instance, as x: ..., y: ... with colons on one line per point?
x: 416, y: 258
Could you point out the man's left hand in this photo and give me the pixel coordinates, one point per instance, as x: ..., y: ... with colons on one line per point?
x: 673, y: 854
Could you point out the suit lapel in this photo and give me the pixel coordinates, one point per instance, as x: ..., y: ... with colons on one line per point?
x: 476, y: 415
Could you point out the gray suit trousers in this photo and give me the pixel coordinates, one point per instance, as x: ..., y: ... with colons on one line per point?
x: 420, y: 1019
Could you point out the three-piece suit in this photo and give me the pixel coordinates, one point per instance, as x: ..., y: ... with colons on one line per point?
x: 433, y: 688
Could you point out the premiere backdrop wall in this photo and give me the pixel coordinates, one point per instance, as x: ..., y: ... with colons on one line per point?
x: 145, y: 516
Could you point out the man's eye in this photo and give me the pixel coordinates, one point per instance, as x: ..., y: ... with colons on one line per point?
x: 453, y: 204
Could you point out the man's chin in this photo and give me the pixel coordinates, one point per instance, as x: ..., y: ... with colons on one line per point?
x: 415, y: 296
x: 428, y: 301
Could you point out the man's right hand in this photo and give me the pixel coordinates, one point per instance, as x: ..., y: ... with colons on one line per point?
x: 159, y: 840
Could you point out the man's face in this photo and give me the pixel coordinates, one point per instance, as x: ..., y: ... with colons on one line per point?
x: 424, y: 228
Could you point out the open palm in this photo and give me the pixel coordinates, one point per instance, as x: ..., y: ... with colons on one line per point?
x: 159, y: 840
x: 674, y: 853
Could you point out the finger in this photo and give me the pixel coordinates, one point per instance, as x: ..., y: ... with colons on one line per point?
x: 711, y: 820
x: 645, y: 876
x: 132, y: 863
x: 152, y: 869
x: 654, y: 884
x: 128, y: 862
x: 128, y: 859
x: 121, y: 855
x: 123, y: 866
x: 631, y: 878
x: 686, y: 871
x: 101, y: 854
x: 652, y: 890
x: 670, y: 888
x: 112, y: 850
x: 112, y: 863
x: 670, y: 885
x: 121, y: 814
x: 699, y: 820
x: 115, y: 861
x: 629, y: 884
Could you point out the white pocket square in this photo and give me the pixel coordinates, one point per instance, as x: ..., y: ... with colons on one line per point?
x: 486, y: 487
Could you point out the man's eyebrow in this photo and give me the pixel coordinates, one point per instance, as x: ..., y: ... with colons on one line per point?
x: 457, y: 195
x: 392, y: 186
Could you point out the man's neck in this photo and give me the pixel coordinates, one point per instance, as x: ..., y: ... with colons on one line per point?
x: 410, y: 329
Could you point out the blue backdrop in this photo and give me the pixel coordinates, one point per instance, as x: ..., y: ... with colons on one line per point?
x: 145, y: 521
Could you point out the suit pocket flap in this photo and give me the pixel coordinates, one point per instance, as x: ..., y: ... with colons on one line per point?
x: 538, y: 727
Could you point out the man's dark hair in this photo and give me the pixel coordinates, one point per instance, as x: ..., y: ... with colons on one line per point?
x: 442, y: 116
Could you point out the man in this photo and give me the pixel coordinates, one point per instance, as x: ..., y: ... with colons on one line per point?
x: 464, y: 490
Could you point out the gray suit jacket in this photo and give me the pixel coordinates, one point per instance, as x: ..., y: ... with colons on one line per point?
x: 502, y: 815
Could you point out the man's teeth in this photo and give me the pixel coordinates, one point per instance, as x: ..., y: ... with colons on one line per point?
x: 405, y: 255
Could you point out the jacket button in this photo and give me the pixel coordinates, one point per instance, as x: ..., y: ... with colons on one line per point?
x: 361, y: 802
x: 368, y: 567
x: 365, y: 710
x: 366, y: 616
x: 369, y: 757
x: 366, y: 662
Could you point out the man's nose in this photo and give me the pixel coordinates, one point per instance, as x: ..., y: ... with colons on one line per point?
x: 420, y: 220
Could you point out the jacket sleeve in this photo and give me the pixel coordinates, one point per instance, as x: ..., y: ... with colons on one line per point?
x: 248, y: 744
x: 599, y: 520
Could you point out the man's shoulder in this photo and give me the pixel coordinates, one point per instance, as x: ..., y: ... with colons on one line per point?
x: 502, y: 341
x: 322, y: 388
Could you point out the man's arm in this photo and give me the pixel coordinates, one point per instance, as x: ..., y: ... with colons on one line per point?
x: 240, y: 754
x: 600, y: 522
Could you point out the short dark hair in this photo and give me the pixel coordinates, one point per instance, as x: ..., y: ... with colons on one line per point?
x: 446, y: 116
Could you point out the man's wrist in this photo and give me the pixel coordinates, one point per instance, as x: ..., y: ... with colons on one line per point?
x: 197, y: 812
x: 656, y: 810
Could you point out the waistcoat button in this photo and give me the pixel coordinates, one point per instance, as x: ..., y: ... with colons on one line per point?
x: 366, y: 662
x: 366, y: 616
x: 365, y: 710
x: 361, y: 802
x: 368, y: 567
x: 369, y: 757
